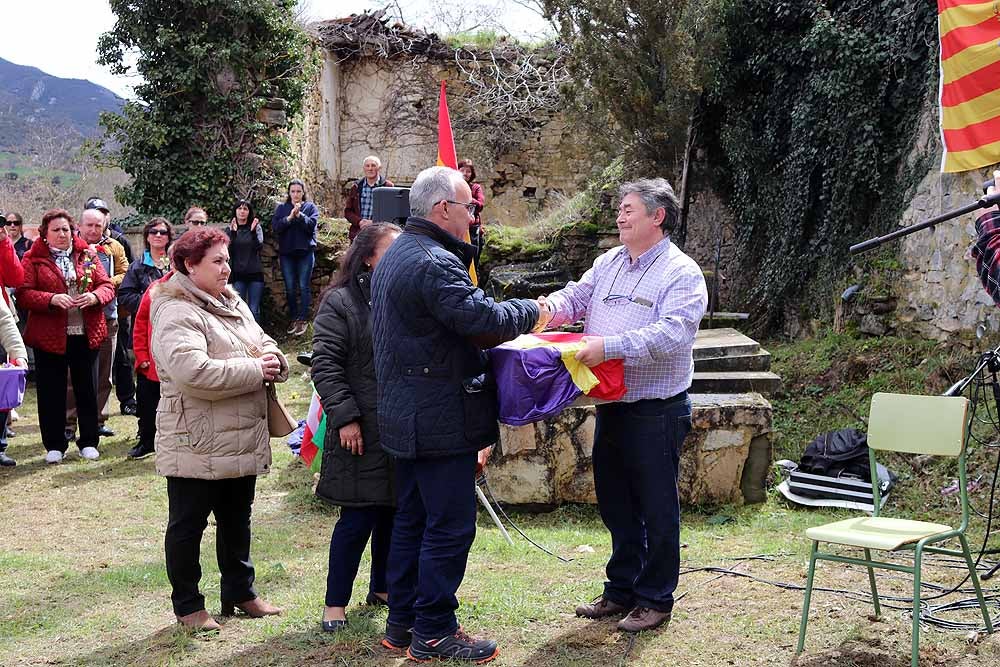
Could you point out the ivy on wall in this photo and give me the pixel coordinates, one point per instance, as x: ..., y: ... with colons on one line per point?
x: 812, y: 119
x: 193, y: 134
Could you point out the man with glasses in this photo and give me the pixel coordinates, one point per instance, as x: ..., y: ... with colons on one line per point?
x: 643, y: 302
x: 436, y: 413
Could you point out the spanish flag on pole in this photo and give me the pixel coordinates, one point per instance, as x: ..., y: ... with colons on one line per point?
x: 970, y: 83
x: 447, y: 156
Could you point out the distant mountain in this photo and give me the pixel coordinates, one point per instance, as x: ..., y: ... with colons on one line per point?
x: 33, y: 102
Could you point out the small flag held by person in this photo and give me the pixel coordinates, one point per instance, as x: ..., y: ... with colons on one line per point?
x: 970, y: 83
x: 315, y: 433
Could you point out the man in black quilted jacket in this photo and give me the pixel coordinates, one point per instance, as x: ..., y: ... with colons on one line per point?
x: 436, y: 410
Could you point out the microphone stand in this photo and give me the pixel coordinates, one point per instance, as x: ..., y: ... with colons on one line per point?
x: 984, y: 202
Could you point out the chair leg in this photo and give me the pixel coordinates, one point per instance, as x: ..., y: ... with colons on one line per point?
x: 808, y: 597
x: 975, y: 583
x: 915, y: 650
x: 871, y: 582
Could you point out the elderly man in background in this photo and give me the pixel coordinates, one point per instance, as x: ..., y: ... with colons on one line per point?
x: 93, y: 230
x: 435, y: 410
x: 122, y: 369
x: 643, y: 302
x: 360, y: 200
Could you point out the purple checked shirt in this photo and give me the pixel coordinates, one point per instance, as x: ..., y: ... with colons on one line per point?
x: 648, y: 312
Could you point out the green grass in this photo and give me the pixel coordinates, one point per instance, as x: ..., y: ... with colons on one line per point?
x: 26, y: 171
x: 82, y: 580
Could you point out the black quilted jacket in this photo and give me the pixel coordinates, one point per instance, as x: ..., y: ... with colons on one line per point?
x: 343, y: 372
x: 426, y: 313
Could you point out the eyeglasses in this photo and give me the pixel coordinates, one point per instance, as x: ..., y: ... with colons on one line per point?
x: 158, y: 232
x: 616, y: 299
x: 13, y: 223
x: 470, y: 207
x: 197, y: 222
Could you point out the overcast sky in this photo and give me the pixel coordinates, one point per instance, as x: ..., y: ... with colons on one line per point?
x: 59, y: 37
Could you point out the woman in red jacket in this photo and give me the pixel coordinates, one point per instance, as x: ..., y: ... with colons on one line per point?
x: 147, y: 386
x: 65, y: 290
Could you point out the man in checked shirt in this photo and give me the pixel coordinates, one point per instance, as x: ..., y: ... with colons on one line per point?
x: 643, y: 302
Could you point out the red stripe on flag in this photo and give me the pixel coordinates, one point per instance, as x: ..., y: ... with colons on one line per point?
x: 972, y: 85
x: 446, y: 142
x: 972, y: 136
x: 944, y: 5
x: 959, y: 39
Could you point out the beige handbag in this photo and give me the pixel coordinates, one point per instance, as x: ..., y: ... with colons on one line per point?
x: 280, y: 421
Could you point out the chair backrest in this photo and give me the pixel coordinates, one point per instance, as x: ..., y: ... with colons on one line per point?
x: 918, y: 424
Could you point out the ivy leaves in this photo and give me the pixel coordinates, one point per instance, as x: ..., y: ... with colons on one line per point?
x: 193, y: 135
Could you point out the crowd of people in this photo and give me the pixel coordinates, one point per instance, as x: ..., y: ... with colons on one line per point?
x: 399, y: 365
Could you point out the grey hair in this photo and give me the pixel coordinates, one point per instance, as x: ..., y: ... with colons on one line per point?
x: 90, y: 212
x: 655, y: 193
x: 373, y: 158
x: 431, y: 186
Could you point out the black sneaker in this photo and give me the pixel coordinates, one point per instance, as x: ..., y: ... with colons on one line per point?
x: 458, y: 646
x: 130, y: 409
x: 397, y: 637
x: 105, y: 432
x: 70, y: 434
x: 141, y: 451
x: 6, y: 461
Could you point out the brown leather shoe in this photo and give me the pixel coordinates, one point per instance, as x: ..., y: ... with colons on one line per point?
x: 643, y: 618
x: 600, y: 607
x: 253, y: 608
x: 199, y: 621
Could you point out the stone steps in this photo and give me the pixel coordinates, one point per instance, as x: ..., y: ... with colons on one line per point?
x: 724, y: 320
x: 735, y: 382
x: 758, y: 361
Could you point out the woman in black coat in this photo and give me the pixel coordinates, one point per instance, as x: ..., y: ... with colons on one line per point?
x: 356, y: 474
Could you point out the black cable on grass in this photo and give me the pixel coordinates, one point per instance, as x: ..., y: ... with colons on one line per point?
x: 489, y: 493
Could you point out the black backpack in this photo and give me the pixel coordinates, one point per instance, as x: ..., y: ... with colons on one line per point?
x: 838, y: 453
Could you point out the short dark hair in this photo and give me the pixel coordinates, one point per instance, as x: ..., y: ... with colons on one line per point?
x: 467, y: 163
x: 249, y: 205
x: 15, y: 217
x: 193, y: 245
x: 54, y: 214
x: 156, y: 222
x: 191, y: 211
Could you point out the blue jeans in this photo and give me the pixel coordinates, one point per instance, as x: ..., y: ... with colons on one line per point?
x: 350, y: 535
x: 251, y: 292
x: 297, y: 272
x: 637, y: 448
x: 431, y: 537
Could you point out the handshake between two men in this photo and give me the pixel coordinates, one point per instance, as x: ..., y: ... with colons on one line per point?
x: 592, y: 353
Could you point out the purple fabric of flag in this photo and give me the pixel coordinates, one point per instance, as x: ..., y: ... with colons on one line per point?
x: 532, y: 384
x: 12, y: 385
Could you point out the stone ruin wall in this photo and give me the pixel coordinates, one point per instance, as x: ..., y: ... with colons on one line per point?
x: 389, y: 108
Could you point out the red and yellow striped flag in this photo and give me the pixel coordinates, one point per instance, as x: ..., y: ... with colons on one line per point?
x: 970, y: 83
x: 447, y: 157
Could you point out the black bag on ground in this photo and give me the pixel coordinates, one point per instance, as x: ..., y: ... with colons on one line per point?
x: 838, y: 453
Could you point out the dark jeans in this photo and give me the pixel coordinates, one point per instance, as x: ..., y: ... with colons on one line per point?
x: 297, y: 272
x: 124, y: 382
x: 251, y: 292
x: 350, y: 535
x: 147, y: 397
x: 190, y: 502
x: 637, y: 449
x: 50, y: 385
x: 431, y: 536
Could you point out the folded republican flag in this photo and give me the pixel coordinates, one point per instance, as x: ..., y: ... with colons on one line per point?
x: 537, y: 376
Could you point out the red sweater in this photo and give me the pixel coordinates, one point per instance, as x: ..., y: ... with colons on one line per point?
x: 142, y: 334
x: 46, y: 327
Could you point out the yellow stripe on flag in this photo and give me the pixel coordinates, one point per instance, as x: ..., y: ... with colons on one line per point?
x: 964, y: 16
x: 973, y: 111
x: 972, y: 159
x: 968, y: 61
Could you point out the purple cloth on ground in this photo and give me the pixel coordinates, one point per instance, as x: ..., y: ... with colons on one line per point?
x: 12, y: 383
x: 532, y: 384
